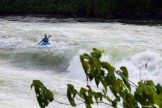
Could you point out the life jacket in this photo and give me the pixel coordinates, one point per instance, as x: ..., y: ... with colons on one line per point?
x: 45, y: 40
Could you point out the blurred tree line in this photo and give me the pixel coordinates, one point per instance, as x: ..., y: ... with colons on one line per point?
x: 84, y: 8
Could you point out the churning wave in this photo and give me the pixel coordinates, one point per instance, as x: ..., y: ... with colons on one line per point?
x: 38, y: 58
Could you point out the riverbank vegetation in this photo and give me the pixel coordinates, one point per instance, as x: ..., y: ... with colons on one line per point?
x: 116, y: 88
x: 127, y: 9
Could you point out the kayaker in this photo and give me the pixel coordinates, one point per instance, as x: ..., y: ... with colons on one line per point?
x: 45, y: 40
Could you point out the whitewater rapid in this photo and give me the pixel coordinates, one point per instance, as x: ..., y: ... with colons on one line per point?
x: 22, y: 60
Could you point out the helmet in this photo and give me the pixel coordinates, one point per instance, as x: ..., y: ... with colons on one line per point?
x: 45, y: 35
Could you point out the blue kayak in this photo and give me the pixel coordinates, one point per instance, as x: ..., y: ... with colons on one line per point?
x: 45, y: 43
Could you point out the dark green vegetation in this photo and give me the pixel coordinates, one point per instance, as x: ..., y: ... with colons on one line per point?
x: 114, y: 82
x: 128, y: 9
x: 44, y: 96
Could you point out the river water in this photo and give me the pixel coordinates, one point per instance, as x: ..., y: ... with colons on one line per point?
x: 22, y: 60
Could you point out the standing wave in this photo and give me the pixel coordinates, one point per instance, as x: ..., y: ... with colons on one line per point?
x: 43, y: 59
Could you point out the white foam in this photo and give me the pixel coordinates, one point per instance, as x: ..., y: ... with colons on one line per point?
x: 75, y: 67
x: 138, y: 62
x: 74, y: 36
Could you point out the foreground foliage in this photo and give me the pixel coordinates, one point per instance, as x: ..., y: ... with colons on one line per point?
x: 116, y: 87
x: 44, y: 95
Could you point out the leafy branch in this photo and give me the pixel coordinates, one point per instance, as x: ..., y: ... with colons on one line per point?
x: 114, y: 82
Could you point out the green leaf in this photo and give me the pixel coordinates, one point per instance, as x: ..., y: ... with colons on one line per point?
x: 146, y: 94
x: 124, y: 77
x: 97, y: 52
x: 108, y: 66
x: 97, y: 95
x: 82, y: 91
x: 158, y: 89
x: 125, y: 71
x: 88, y: 106
x: 96, y: 66
x: 71, y: 93
x: 86, y: 95
x: 128, y: 100
x: 44, y: 95
x: 110, y: 78
x: 149, y: 82
x: 85, y: 64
